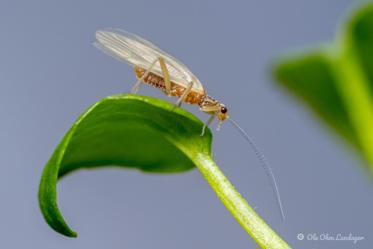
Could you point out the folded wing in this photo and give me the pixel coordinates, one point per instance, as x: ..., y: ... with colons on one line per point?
x: 137, y: 51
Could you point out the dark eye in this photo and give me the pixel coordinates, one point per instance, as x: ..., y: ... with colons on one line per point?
x: 223, y: 110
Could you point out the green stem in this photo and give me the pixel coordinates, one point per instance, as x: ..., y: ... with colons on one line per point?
x: 253, y: 224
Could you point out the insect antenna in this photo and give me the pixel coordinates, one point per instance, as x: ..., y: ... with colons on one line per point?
x: 263, y: 161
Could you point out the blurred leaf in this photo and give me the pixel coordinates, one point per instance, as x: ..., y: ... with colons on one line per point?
x: 336, y: 81
x: 150, y: 135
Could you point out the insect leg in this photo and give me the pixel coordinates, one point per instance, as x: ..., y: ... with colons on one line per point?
x: 136, y: 86
x: 166, y: 75
x: 185, y: 93
x: 208, y: 122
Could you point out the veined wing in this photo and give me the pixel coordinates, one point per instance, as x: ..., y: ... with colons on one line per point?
x: 139, y: 52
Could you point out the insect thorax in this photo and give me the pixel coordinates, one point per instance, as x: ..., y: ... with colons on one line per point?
x: 208, y: 101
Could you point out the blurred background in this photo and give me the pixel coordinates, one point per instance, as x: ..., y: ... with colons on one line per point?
x: 50, y: 73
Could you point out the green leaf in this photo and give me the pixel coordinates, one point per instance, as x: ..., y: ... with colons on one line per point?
x: 150, y: 135
x: 336, y: 81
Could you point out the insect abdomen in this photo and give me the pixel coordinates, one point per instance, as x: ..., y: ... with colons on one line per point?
x: 176, y: 89
x: 151, y: 79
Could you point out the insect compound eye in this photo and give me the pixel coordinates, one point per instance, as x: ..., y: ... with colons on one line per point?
x: 223, y: 110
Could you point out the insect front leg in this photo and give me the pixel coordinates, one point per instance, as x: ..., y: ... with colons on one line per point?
x: 213, y: 111
x: 185, y: 93
x: 136, y: 86
x: 208, y: 122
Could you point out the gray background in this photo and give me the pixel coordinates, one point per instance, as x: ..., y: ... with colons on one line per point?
x: 50, y: 72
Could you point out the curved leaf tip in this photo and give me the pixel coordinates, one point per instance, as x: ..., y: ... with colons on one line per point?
x: 128, y: 131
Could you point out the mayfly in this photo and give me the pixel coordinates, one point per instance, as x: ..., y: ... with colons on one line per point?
x: 161, y: 70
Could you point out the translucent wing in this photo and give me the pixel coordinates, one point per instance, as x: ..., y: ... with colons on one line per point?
x: 139, y: 52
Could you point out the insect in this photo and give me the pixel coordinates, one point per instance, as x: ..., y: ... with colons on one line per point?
x: 157, y: 68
